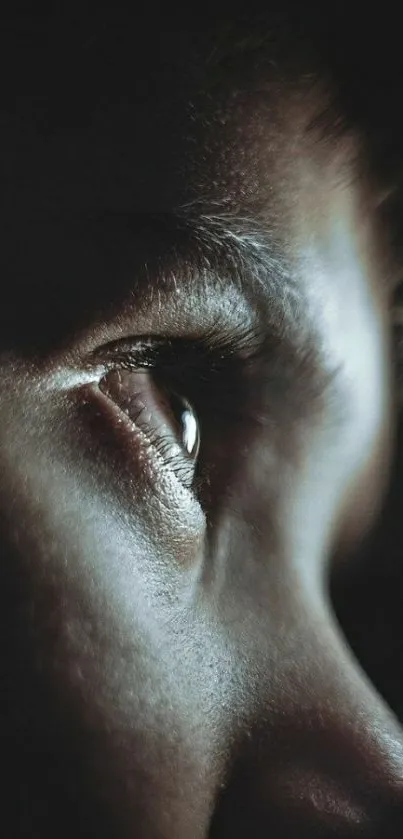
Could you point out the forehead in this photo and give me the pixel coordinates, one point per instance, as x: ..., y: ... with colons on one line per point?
x: 215, y: 123
x: 110, y: 115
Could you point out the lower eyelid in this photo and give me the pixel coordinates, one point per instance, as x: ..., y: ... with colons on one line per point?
x: 127, y: 464
x: 158, y: 457
x: 137, y: 396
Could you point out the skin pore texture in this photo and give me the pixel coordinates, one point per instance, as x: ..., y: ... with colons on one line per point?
x: 194, y: 243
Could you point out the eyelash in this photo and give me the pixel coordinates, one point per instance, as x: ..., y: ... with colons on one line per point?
x: 214, y: 346
x: 211, y: 372
x: 227, y: 359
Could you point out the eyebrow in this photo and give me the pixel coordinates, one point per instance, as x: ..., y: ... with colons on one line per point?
x: 183, y: 272
x: 240, y: 241
x: 236, y: 248
x: 223, y: 266
x: 252, y: 258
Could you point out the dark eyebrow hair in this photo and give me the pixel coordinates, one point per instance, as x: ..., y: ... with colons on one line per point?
x: 147, y: 258
x: 239, y: 240
x: 235, y: 249
x: 224, y: 249
x: 213, y: 241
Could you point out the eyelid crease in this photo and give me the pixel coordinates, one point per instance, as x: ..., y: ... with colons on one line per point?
x: 241, y: 345
x: 181, y: 272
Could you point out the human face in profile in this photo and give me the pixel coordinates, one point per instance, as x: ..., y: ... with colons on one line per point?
x: 195, y: 424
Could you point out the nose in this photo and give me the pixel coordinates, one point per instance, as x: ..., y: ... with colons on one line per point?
x: 323, y: 754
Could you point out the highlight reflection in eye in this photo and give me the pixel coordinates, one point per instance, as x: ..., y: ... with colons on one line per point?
x: 189, y: 425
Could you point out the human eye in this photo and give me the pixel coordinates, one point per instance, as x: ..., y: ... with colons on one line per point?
x: 188, y: 399
x: 145, y: 381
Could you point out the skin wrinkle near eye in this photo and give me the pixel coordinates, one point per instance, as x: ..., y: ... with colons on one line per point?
x: 140, y: 418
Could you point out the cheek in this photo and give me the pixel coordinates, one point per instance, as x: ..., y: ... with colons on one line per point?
x: 101, y: 548
x: 103, y: 594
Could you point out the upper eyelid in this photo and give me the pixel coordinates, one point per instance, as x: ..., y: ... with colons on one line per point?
x: 178, y: 286
x: 238, y: 346
x: 204, y: 309
x: 67, y: 376
x: 170, y: 317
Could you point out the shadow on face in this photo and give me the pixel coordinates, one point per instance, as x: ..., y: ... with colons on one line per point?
x: 195, y: 437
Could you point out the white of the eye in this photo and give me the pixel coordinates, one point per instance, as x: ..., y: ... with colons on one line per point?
x: 190, y: 431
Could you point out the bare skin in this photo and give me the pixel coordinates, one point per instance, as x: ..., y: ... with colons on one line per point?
x: 173, y: 667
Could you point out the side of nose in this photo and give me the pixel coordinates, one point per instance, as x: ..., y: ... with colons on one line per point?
x: 324, y: 754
